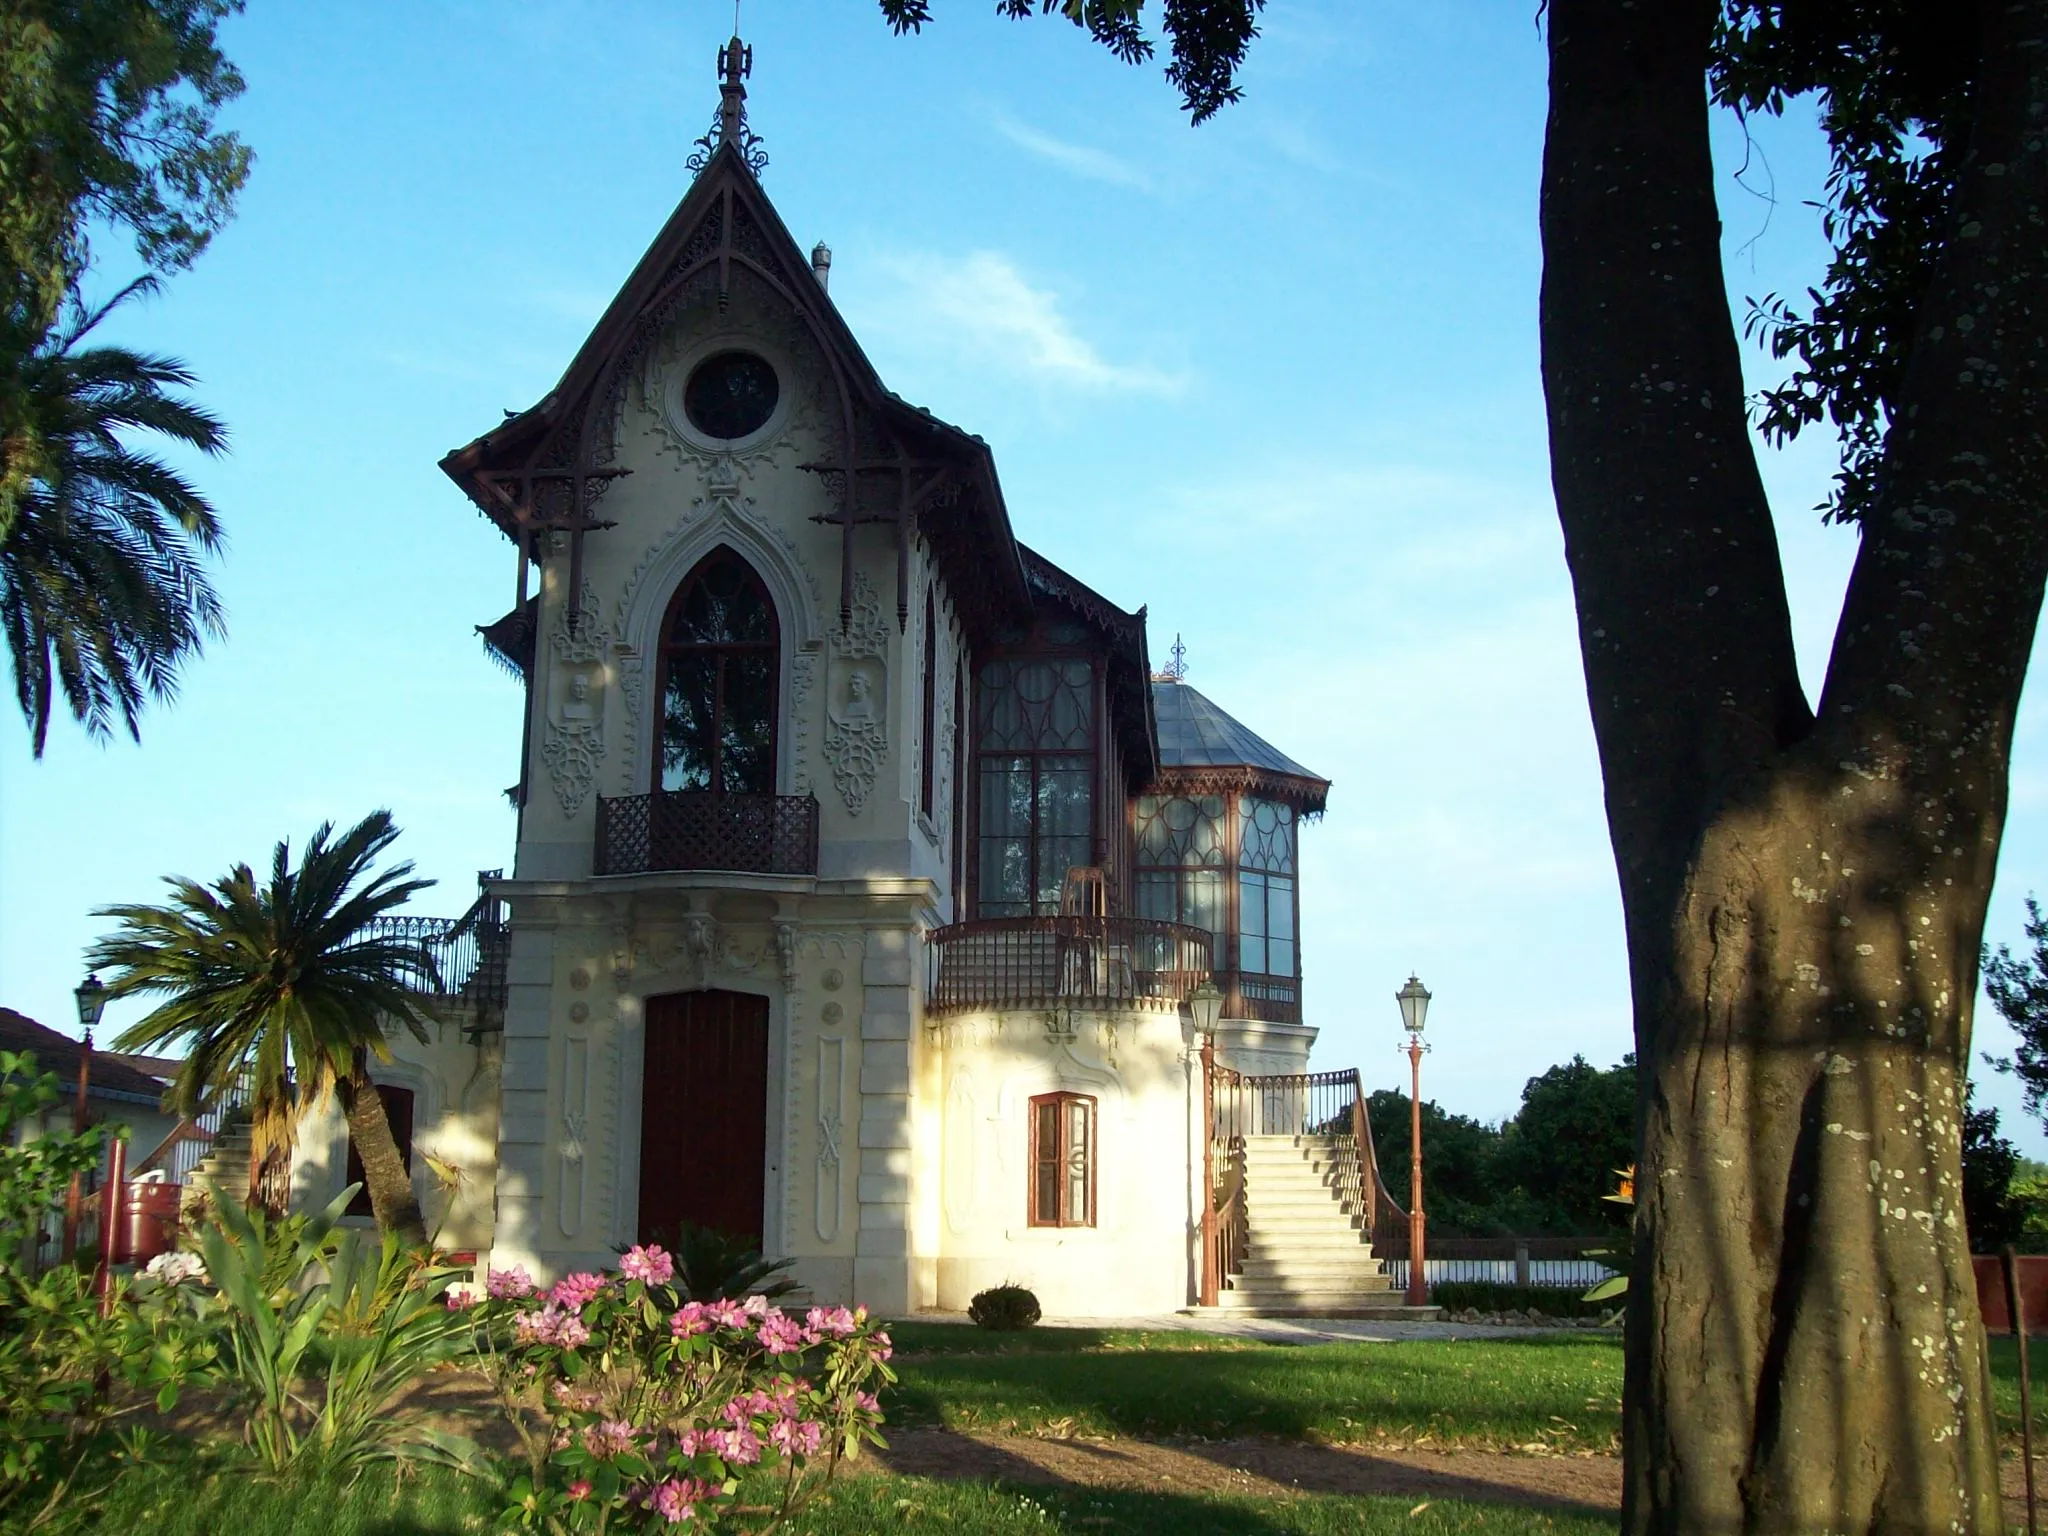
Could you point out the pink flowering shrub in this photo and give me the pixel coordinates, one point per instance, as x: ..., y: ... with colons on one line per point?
x: 640, y: 1411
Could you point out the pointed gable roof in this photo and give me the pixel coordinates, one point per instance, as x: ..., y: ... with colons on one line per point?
x: 725, y: 221
x: 1200, y: 744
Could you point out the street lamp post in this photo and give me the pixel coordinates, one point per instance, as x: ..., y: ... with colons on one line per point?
x: 92, y: 1001
x: 1414, y: 1001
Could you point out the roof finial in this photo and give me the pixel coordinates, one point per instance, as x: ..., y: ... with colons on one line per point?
x: 735, y: 64
x: 1176, y: 670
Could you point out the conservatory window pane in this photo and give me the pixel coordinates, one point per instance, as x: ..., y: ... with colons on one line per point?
x: 1280, y: 951
x: 1251, y: 916
x: 1005, y: 875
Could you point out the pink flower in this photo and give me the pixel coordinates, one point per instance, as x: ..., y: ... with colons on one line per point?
x: 727, y: 1314
x: 756, y: 1306
x: 883, y: 1348
x: 796, y: 1437
x: 869, y: 1403
x: 614, y: 1437
x: 573, y: 1292
x: 741, y: 1446
x: 533, y: 1327
x: 580, y: 1489
x: 778, y: 1335
x: 677, y: 1499
x: 650, y: 1265
x: 834, y: 1324
x: 575, y: 1399
x: 461, y: 1298
x: 509, y: 1284
x: 571, y: 1332
x: 746, y: 1407
x: 690, y: 1318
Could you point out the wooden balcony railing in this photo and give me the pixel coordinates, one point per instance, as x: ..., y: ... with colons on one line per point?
x: 696, y: 829
x: 1085, y: 962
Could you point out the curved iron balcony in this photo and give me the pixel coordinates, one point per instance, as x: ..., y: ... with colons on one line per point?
x: 1081, y: 962
x: 696, y: 829
x: 468, y: 952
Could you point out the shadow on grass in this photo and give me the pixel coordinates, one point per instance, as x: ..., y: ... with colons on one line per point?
x: 1258, y: 1469
x: 1561, y: 1392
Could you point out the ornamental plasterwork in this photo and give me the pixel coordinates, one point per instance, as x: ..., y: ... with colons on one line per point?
x: 573, y: 733
x: 803, y: 671
x: 696, y: 330
x: 856, y: 707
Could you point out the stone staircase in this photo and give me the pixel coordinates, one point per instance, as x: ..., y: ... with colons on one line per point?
x: 1307, y: 1250
x: 223, y: 1174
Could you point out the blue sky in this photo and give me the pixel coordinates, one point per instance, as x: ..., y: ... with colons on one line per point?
x: 1275, y: 377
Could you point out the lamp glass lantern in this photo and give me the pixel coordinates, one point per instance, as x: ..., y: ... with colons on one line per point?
x: 92, y: 1000
x: 1414, y: 1001
x: 1205, y: 1006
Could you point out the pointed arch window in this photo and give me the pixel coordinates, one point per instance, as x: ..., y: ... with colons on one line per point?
x: 720, y: 669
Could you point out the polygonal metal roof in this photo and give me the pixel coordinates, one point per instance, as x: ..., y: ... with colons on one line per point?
x: 1195, y: 734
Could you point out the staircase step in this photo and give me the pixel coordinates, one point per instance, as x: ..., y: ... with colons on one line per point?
x: 1304, y: 1271
x: 1368, y: 1311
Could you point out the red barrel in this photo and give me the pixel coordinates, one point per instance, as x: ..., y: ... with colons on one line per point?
x: 148, y: 1223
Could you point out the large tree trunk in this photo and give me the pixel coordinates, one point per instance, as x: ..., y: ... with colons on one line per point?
x: 392, y: 1200
x: 1804, y: 893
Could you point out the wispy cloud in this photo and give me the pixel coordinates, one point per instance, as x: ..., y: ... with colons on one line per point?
x: 1082, y: 159
x: 983, y: 304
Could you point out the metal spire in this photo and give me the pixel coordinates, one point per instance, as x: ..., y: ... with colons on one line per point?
x: 1176, y: 670
x: 735, y: 64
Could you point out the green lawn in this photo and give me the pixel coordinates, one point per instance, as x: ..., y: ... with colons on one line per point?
x: 1563, y: 1391
x: 437, y: 1503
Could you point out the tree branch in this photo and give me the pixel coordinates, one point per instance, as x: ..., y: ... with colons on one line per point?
x: 1684, y: 626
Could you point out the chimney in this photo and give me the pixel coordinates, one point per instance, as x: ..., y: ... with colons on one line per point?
x: 821, y: 264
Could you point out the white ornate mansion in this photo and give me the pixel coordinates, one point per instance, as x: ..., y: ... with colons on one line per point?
x: 865, y: 869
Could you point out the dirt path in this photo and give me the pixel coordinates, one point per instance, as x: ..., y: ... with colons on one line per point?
x: 1261, y: 1467
x: 1580, y: 1484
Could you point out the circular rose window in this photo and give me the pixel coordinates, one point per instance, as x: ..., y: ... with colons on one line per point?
x: 731, y: 395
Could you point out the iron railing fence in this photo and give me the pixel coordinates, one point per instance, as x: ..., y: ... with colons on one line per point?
x: 1451, y: 1261
x: 1049, y: 962
x: 468, y: 952
x: 1322, y: 1104
x: 696, y: 829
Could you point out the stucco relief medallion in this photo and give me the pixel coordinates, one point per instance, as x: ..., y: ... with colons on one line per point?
x: 831, y: 1013
x: 573, y: 741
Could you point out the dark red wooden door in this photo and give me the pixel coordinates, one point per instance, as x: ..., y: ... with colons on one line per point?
x: 704, y: 1114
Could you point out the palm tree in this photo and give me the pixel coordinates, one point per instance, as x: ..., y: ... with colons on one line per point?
x: 284, y: 979
x: 103, y: 594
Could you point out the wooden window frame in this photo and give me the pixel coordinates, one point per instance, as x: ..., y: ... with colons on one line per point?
x: 1097, y: 729
x: 928, y: 766
x: 1062, y: 1217
x: 667, y: 650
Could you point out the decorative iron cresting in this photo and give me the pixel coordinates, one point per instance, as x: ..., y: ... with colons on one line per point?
x: 1053, y: 962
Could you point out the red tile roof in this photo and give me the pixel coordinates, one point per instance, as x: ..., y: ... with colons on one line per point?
x: 59, y: 1054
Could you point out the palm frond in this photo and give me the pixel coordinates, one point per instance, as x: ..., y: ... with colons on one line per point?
x: 277, y: 977
x: 103, y: 593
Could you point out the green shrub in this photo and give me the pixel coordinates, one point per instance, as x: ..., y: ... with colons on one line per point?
x: 1484, y: 1296
x: 1004, y: 1308
x: 69, y: 1371
x: 301, y: 1302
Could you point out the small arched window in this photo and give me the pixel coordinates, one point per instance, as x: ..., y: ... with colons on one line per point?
x: 720, y: 667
